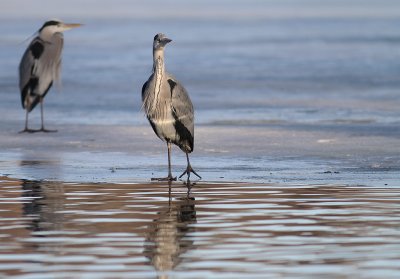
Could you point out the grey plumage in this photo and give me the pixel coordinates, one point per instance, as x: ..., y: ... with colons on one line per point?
x: 168, y: 107
x: 40, y: 66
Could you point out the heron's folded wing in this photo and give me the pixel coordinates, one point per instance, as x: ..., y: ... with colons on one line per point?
x: 181, y: 104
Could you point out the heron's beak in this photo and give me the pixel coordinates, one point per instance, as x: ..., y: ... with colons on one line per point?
x: 166, y: 41
x: 68, y: 26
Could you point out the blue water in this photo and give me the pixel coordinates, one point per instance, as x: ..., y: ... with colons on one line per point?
x: 302, y: 67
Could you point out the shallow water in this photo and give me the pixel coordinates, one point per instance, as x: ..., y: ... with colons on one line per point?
x: 64, y: 230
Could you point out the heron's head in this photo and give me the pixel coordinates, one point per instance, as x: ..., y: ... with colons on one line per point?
x: 160, y: 41
x: 56, y: 26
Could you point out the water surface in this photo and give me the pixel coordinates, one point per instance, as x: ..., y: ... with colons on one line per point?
x: 63, y: 230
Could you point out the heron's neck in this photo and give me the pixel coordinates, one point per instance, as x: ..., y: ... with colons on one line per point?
x: 158, y: 62
x: 47, y: 35
x: 159, y: 73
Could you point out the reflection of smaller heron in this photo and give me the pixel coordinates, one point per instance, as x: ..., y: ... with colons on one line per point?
x: 47, y: 200
x: 40, y: 66
x: 167, y: 238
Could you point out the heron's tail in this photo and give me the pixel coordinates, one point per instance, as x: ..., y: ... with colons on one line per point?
x: 28, y: 99
x: 30, y: 102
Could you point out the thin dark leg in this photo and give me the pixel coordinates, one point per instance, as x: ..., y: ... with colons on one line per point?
x: 41, y: 112
x: 169, y: 177
x: 26, y: 120
x: 189, y: 169
x: 169, y: 159
x: 27, y: 130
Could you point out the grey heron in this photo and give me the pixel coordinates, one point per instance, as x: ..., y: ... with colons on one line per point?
x: 168, y: 107
x: 40, y: 66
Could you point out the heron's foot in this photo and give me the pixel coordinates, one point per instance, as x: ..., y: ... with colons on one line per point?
x: 27, y: 130
x: 47, y: 130
x: 188, y: 170
x: 168, y: 178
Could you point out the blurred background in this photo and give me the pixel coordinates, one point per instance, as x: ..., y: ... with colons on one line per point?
x: 243, y: 62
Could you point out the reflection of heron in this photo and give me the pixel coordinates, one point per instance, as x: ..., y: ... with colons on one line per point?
x: 40, y: 66
x: 47, y: 200
x: 167, y: 238
x: 168, y: 107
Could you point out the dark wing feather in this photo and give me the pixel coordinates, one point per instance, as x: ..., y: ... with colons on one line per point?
x: 144, y: 87
x: 39, y: 67
x: 182, y: 111
x: 28, y: 81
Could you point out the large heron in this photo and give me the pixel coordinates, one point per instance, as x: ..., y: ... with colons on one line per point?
x: 40, y: 66
x: 168, y: 107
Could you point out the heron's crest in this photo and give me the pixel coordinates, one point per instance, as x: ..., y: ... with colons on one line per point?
x: 30, y: 38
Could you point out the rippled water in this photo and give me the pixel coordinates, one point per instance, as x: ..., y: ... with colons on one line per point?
x: 65, y: 230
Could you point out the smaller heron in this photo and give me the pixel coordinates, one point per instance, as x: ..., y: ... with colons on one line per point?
x: 168, y: 107
x: 40, y: 66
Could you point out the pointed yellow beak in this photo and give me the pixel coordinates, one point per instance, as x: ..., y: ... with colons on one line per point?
x: 68, y: 26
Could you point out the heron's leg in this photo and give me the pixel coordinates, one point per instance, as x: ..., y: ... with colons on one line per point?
x: 27, y: 130
x: 42, y: 116
x: 169, y: 160
x: 26, y: 120
x: 169, y: 177
x: 189, y: 169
